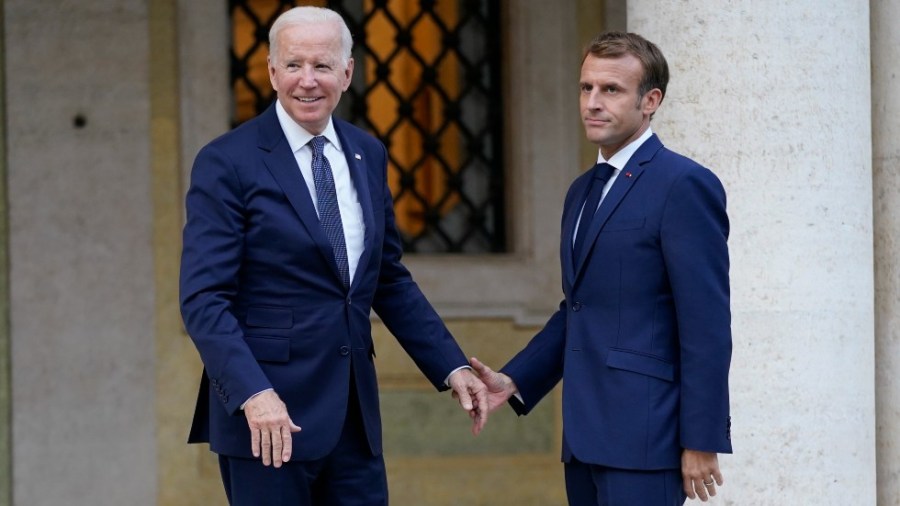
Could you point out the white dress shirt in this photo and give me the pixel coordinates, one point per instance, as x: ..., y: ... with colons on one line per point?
x: 348, y: 200
x: 618, y: 162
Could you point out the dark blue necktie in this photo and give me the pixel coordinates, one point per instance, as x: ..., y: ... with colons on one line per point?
x: 602, y: 173
x: 329, y: 212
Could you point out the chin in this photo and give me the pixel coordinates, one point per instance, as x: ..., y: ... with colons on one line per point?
x: 311, y: 123
x: 597, y: 139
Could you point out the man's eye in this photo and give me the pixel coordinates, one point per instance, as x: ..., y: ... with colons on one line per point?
x: 586, y: 88
x: 611, y: 89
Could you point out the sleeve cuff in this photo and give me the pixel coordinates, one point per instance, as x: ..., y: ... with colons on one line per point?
x: 254, y: 395
x: 447, y: 379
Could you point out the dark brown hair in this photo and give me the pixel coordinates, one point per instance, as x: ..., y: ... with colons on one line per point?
x: 618, y: 44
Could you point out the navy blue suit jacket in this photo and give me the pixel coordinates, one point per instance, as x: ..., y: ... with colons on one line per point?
x: 262, y: 299
x: 642, y: 340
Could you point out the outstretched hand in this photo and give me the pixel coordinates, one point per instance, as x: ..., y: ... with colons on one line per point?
x: 270, y: 428
x: 471, y: 394
x: 500, y: 387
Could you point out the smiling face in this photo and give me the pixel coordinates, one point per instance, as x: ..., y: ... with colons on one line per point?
x: 612, y: 109
x: 308, y: 72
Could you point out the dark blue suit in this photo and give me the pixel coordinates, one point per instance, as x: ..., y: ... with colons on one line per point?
x: 264, y: 304
x: 642, y: 340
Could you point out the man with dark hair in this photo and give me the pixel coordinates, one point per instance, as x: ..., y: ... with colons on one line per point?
x: 289, y: 244
x: 642, y: 340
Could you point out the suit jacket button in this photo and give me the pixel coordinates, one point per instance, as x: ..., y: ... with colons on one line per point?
x: 576, y: 307
x: 345, y: 350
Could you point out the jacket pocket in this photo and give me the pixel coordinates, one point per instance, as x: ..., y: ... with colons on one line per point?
x: 270, y: 317
x: 269, y: 349
x: 641, y: 363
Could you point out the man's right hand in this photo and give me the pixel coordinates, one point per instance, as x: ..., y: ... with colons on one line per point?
x: 270, y: 428
x: 500, y: 386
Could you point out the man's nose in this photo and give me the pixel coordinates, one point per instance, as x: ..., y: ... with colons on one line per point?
x: 594, y: 100
x: 307, y: 77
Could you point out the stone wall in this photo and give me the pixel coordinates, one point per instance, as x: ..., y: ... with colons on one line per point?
x: 775, y: 97
x: 80, y: 252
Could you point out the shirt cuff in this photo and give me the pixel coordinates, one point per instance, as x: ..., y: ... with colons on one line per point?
x: 254, y: 395
x: 447, y: 379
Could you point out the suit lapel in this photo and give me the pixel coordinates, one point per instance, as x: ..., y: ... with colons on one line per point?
x: 570, y: 216
x: 282, y: 164
x: 357, y: 164
x: 623, y: 184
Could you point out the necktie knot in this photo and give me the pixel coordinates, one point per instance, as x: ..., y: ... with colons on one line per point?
x: 318, y: 145
x: 603, y: 171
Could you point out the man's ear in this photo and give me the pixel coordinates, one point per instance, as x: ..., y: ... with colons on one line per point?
x: 348, y: 74
x: 651, y: 101
x: 271, y: 67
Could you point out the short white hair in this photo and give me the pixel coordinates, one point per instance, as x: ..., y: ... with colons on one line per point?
x: 309, y: 14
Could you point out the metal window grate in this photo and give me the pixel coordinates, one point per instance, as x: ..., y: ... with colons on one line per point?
x: 427, y: 83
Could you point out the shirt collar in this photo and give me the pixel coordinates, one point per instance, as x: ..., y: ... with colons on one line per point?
x: 620, y: 159
x: 297, y: 136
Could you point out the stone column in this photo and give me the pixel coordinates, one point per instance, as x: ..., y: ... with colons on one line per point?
x: 886, y: 151
x: 775, y: 98
x: 81, y: 264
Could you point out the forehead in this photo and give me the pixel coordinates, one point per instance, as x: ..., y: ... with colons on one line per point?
x: 623, y: 69
x: 310, y: 40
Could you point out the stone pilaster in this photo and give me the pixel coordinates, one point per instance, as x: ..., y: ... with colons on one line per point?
x: 775, y: 98
x: 886, y: 184
x: 81, y: 270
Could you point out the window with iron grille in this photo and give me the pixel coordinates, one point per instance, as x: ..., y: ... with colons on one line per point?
x: 427, y: 83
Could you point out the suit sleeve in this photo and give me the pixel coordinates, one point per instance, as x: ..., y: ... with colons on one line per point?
x: 406, y: 312
x: 694, y: 237
x: 539, y: 366
x: 210, y: 268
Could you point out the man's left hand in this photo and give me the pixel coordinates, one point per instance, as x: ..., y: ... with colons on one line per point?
x: 700, y: 472
x: 472, y: 396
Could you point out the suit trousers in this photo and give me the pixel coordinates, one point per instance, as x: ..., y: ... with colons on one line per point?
x: 349, y: 476
x: 593, y: 485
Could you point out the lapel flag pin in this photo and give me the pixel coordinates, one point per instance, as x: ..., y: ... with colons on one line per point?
x: 628, y: 174
x: 357, y: 156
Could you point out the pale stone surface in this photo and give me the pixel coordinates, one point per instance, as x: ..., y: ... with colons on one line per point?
x: 80, y: 257
x: 204, y: 75
x: 886, y: 132
x: 775, y: 97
